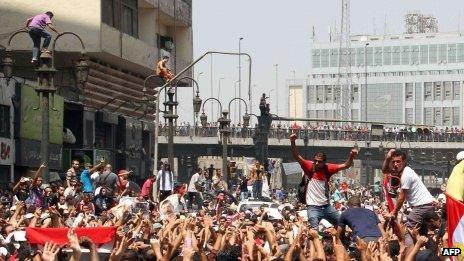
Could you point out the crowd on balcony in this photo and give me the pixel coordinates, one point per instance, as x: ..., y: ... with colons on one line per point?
x: 327, y: 132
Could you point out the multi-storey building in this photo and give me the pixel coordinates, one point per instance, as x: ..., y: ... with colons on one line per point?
x: 411, y: 78
x: 124, y: 39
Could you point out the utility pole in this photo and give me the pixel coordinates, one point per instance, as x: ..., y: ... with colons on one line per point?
x: 239, y: 77
x: 277, y: 89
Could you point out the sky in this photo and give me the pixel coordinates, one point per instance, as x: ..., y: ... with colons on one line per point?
x: 279, y: 32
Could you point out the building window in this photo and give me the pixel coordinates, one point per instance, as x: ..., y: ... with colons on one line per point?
x: 319, y: 93
x: 428, y: 117
x: 360, y: 57
x: 447, y: 116
x: 355, y: 114
x: 405, y: 55
x: 336, y: 93
x: 396, y: 55
x: 428, y: 91
x: 319, y: 114
x: 409, y: 115
x: 437, y: 90
x: 324, y: 58
x: 442, y: 53
x: 130, y: 17
x: 316, y: 58
x: 415, y: 54
x: 328, y: 94
x: 437, y: 116
x: 409, y: 91
x: 451, y: 53
x: 424, y: 54
x: 4, y: 121
x: 460, y: 53
x: 377, y: 56
x: 122, y: 15
x: 355, y: 94
x: 456, y: 90
x: 387, y: 55
x: 369, y: 54
x: 333, y: 57
x: 456, y: 116
x: 433, y: 53
x: 448, y: 91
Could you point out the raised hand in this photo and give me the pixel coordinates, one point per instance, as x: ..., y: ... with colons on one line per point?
x: 50, y: 251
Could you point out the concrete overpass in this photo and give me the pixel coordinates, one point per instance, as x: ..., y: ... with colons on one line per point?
x: 427, y: 155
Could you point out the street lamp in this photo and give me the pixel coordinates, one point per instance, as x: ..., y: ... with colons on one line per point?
x: 170, y: 115
x: 276, y: 88
x: 219, y: 91
x: 46, y: 88
x: 239, y: 76
x: 224, y: 127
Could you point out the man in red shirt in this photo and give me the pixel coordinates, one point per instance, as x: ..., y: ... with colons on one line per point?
x: 317, y: 189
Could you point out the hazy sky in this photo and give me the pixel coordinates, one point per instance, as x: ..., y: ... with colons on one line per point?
x: 279, y: 32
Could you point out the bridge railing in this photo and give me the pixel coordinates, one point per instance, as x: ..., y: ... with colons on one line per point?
x: 343, y: 135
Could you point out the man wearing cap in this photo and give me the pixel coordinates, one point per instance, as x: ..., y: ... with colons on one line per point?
x: 455, y: 185
x: 166, y: 182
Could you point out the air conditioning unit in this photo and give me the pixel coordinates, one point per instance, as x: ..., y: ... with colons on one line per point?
x: 169, y: 45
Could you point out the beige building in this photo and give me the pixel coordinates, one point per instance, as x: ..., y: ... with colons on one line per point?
x: 123, y: 40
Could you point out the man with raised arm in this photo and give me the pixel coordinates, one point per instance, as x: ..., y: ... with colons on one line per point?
x: 412, y: 189
x: 318, y: 173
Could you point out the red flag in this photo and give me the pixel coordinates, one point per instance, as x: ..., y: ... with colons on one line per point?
x: 99, y: 235
x: 386, y: 188
x: 455, y: 215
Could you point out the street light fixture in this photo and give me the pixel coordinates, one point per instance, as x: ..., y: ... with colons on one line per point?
x: 46, y: 88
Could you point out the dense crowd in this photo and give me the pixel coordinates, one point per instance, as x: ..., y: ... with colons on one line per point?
x: 328, y: 132
x: 202, y: 220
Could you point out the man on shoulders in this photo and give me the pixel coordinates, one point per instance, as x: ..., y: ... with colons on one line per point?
x: 317, y: 189
x: 413, y: 190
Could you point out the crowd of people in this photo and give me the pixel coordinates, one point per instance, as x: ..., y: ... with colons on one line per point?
x: 327, y: 132
x: 166, y: 220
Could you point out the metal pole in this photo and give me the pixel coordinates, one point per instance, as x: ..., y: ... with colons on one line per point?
x: 44, y: 150
x: 211, y: 78
x: 277, y: 89
x: 224, y: 158
x: 365, y: 81
x: 239, y: 78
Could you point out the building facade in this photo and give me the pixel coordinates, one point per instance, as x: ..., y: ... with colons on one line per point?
x: 107, y: 118
x: 411, y: 78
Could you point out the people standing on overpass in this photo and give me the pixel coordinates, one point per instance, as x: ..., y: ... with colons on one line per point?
x: 412, y: 190
x: 317, y: 173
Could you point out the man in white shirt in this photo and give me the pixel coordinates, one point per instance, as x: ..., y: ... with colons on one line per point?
x: 166, y: 182
x: 413, y: 190
x: 195, y: 184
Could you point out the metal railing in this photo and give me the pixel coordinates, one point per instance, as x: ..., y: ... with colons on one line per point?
x: 342, y: 135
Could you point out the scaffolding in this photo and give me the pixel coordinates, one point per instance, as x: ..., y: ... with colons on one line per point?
x: 417, y: 23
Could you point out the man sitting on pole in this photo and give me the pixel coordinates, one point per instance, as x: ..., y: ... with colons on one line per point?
x: 316, y: 178
x: 162, y: 69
